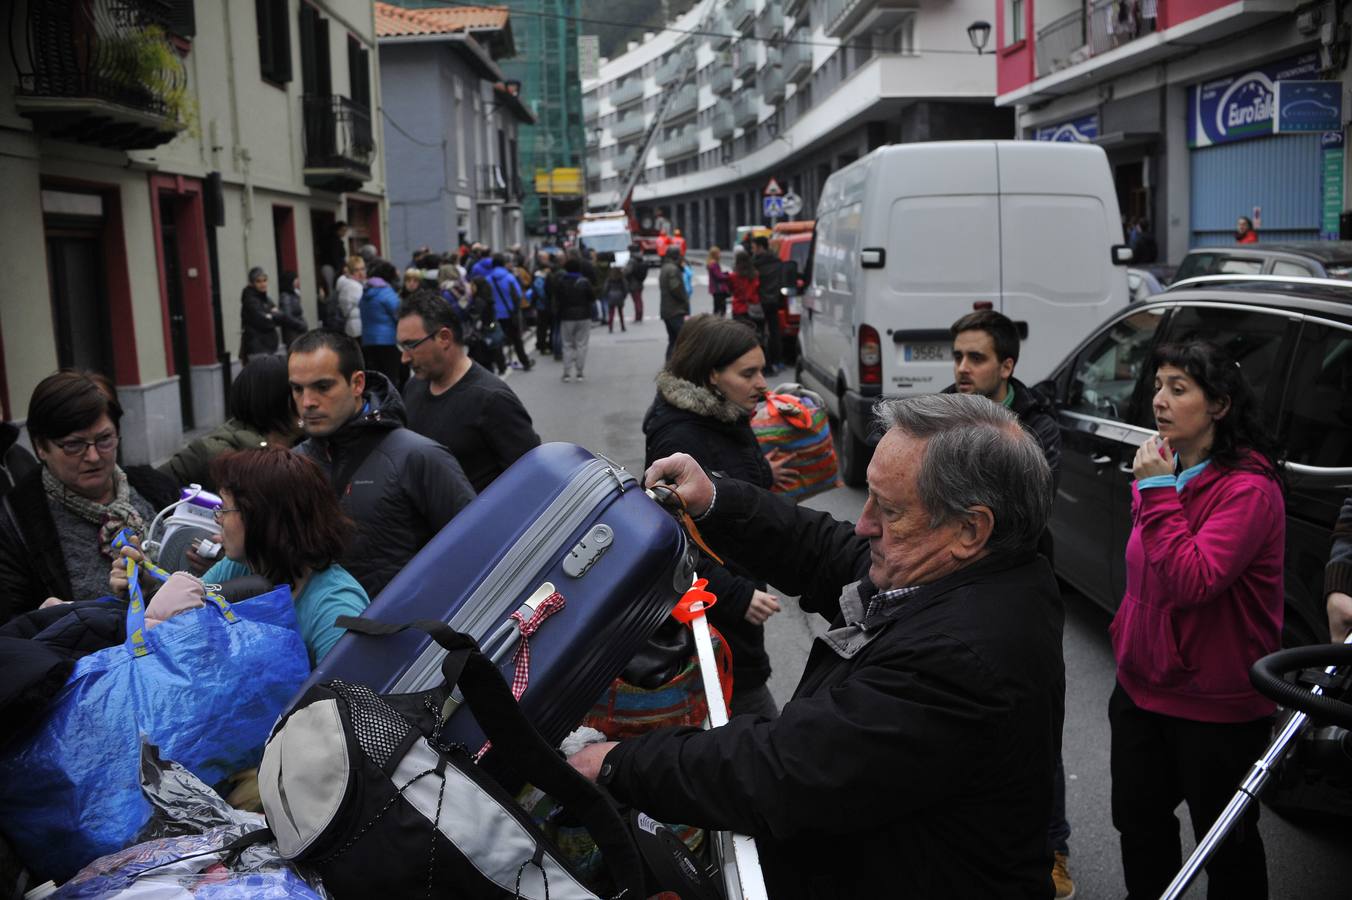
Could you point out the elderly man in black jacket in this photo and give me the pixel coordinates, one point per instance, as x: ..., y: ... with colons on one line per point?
x: 916, y: 757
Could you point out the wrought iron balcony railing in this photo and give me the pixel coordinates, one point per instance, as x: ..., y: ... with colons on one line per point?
x: 101, y: 72
x: 339, y: 143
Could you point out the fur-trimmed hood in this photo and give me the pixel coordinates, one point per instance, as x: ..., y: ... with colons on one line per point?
x: 701, y: 401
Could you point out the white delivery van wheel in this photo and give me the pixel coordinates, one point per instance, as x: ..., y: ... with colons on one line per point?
x: 854, y: 453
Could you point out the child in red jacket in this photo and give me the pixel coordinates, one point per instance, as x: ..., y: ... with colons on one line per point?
x: 1203, y: 601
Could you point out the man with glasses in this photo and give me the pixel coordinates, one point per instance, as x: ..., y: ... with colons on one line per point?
x: 452, y: 399
x: 398, y: 486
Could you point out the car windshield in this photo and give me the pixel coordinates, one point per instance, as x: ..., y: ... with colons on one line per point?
x: 602, y: 243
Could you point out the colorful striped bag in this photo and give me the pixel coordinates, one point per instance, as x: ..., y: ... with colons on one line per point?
x: 793, y: 420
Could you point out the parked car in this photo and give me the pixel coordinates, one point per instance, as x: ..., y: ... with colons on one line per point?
x: 1145, y: 282
x: 913, y: 236
x: 1293, y: 339
x: 1313, y: 259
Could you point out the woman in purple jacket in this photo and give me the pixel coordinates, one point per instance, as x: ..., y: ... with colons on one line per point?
x: 719, y: 284
x: 1203, y: 602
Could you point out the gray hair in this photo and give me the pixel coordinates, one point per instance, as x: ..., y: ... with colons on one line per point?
x: 976, y: 454
x: 368, y: 252
x: 256, y: 273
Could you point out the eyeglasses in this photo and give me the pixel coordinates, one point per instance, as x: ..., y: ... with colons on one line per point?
x: 104, y: 443
x: 410, y: 346
x: 219, y: 514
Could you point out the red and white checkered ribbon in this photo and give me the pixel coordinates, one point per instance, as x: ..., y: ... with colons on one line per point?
x: 521, y: 661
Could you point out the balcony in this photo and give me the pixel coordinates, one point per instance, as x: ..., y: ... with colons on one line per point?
x: 723, y: 124
x: 101, y: 72
x: 627, y: 93
x: 719, y: 29
x: 593, y: 140
x: 771, y: 19
x: 742, y: 14
x: 773, y: 56
x: 1107, y: 32
x: 720, y: 81
x: 681, y: 144
x: 743, y: 59
x: 797, y: 56
x: 493, y: 186
x: 685, y: 103
x: 772, y: 84
x: 671, y: 70
x: 794, y: 7
x: 591, y: 108
x: 847, y: 18
x: 339, y: 143
x: 746, y: 109
x: 1062, y: 43
x: 630, y: 126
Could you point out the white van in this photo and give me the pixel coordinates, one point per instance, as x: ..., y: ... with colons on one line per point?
x: 913, y: 236
x: 606, y: 233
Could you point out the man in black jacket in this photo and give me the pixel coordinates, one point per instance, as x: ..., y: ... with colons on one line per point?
x: 398, y: 486
x: 916, y: 757
x: 770, y: 269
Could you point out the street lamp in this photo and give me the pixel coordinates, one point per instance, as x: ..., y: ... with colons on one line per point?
x: 979, y: 32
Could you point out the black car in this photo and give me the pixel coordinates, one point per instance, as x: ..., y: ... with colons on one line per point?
x: 1297, y: 259
x: 1293, y: 338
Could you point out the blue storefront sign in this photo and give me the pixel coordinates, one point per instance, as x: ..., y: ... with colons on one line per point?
x: 1304, y: 106
x: 1082, y: 130
x: 1243, y: 106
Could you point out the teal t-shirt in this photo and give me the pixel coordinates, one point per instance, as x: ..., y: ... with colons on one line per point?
x: 329, y: 593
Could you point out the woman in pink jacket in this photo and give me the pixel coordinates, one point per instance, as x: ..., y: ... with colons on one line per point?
x: 1203, y: 601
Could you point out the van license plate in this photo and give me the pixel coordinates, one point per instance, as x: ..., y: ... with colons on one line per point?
x: 793, y: 306
x: 935, y: 352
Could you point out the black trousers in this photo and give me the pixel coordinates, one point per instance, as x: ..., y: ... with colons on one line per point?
x: 386, y: 358
x: 1158, y: 761
x: 673, y: 324
x: 774, y: 339
x: 511, y: 326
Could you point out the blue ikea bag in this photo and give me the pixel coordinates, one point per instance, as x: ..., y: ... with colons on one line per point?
x: 205, y: 687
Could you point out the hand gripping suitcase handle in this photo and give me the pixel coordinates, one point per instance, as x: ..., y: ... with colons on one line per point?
x: 675, y: 503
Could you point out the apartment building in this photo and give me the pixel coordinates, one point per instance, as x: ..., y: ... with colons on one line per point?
x: 783, y: 89
x: 1208, y: 109
x: 450, y: 125
x: 152, y: 151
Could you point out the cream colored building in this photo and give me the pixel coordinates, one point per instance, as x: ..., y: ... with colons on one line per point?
x: 151, y: 152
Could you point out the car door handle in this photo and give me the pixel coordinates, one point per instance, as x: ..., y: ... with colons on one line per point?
x: 1101, y: 460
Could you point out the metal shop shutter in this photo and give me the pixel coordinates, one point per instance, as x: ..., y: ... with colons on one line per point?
x: 1282, y: 174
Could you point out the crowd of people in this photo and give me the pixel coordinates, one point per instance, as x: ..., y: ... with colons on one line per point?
x: 920, y: 754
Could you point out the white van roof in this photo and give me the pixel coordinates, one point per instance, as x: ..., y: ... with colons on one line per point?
x: 947, y: 168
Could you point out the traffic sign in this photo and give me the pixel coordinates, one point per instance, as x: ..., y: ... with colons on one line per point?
x: 793, y: 204
x: 774, y: 207
x: 773, y: 189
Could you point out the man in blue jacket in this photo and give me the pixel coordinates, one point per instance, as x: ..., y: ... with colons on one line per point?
x: 507, y: 303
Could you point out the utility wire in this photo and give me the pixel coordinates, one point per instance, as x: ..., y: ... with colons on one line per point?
x: 699, y: 32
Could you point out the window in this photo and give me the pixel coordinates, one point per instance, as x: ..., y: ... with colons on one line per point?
x: 1282, y: 267
x: 1318, y: 426
x: 359, y: 73
x: 1253, y: 339
x: 1195, y: 264
x: 1014, y: 23
x: 274, y: 40
x: 316, y: 78
x: 1240, y: 267
x: 1106, y: 374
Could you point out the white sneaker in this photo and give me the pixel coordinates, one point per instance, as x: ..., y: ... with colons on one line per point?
x: 566, y: 378
x: 579, y: 377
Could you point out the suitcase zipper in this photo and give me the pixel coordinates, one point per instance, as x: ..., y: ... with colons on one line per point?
x: 513, y: 576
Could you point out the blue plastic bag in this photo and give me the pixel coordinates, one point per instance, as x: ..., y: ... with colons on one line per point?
x: 205, y: 688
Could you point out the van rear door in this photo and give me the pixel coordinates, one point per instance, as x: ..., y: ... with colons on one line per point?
x: 1058, y: 221
x: 940, y: 222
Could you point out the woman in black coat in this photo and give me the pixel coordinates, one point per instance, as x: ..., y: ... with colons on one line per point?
x: 705, y: 398
x: 258, y: 317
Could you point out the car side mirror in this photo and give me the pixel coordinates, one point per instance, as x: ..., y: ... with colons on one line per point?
x: 1123, y: 255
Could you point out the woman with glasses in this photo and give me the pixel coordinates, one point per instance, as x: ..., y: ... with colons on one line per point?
x: 57, y: 524
x: 280, y: 519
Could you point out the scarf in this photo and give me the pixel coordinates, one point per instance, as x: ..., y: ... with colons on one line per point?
x: 110, y: 517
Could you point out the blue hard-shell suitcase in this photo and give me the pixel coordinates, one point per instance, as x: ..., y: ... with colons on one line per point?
x: 559, y: 516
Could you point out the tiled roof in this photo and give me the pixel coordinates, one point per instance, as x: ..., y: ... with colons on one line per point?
x: 395, y: 21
